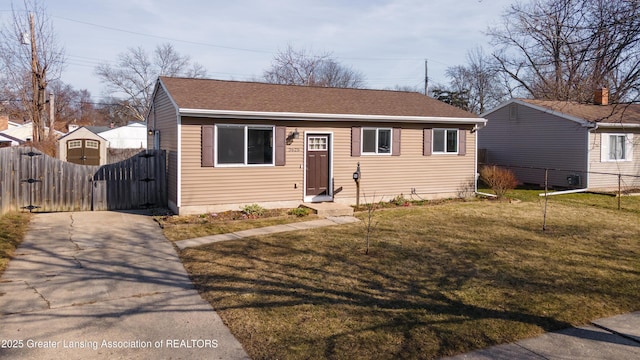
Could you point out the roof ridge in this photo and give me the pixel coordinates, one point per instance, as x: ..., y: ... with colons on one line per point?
x: 290, y: 85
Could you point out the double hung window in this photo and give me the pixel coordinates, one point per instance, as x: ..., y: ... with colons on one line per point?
x: 617, y: 147
x: 445, y: 141
x: 245, y: 145
x: 376, y: 141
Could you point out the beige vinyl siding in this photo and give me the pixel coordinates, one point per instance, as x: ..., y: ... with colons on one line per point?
x: 610, y: 182
x: 203, y: 186
x: 535, y: 139
x: 164, y: 116
x: 383, y: 175
x: 434, y: 176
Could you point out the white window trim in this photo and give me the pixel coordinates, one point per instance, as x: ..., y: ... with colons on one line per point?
x: 92, y: 144
x: 311, y: 199
x: 326, y: 144
x: 74, y: 144
x: 604, y: 147
x: 246, y: 153
x: 433, y: 141
x: 376, y: 153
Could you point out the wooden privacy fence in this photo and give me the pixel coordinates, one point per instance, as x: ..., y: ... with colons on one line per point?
x: 30, y: 180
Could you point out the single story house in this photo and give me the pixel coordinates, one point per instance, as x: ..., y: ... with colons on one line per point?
x: 83, y: 146
x: 584, y: 146
x: 131, y: 136
x: 8, y: 140
x: 6, y: 124
x: 24, y: 132
x: 233, y: 143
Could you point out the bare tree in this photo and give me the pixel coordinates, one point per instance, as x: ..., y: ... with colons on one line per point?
x: 133, y: 77
x: 29, y: 50
x: 459, y: 99
x: 478, y: 80
x: 73, y: 106
x: 407, y: 88
x: 563, y: 50
x: 299, y: 67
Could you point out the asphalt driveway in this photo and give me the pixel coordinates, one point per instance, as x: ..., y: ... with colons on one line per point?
x: 93, y: 285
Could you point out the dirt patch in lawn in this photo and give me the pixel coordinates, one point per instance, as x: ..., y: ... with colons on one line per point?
x: 187, y: 227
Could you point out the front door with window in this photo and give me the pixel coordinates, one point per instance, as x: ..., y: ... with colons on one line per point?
x: 318, y: 165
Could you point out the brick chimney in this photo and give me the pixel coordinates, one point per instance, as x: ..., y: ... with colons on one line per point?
x: 4, y: 122
x: 601, y: 96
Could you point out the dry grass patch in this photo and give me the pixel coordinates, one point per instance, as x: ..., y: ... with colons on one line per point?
x: 439, y: 280
x: 13, y: 227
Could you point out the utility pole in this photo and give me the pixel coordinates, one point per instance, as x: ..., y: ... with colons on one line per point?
x: 426, y: 78
x: 52, y: 114
x: 37, y: 86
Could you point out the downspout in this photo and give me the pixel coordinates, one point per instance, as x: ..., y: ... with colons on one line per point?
x: 179, y: 161
x: 593, y: 129
x: 475, y: 165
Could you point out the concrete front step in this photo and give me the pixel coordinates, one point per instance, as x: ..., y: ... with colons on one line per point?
x: 327, y: 209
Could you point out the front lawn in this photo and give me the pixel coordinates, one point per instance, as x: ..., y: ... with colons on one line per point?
x: 439, y: 280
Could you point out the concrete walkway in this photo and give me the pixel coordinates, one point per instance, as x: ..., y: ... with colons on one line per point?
x: 329, y: 221
x: 611, y: 338
x: 97, y: 285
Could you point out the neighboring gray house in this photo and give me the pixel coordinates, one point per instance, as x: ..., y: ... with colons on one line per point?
x: 583, y: 143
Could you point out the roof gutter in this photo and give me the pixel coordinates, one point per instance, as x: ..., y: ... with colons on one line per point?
x: 616, y: 125
x: 292, y: 116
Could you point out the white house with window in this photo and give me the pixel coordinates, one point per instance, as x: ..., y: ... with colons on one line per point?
x: 131, y: 136
x: 585, y: 146
x: 617, y: 147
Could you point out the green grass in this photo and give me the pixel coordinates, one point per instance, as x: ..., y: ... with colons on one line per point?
x: 604, y: 201
x: 439, y: 280
x: 13, y: 227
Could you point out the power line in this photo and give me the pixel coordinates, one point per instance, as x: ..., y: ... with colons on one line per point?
x: 163, y: 37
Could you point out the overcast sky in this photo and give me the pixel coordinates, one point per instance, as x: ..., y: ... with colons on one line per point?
x: 387, y: 40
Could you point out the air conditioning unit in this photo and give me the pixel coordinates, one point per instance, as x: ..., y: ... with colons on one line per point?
x: 573, y: 180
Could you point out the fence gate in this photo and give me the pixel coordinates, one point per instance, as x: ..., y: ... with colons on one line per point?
x: 135, y: 183
x: 37, y: 182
